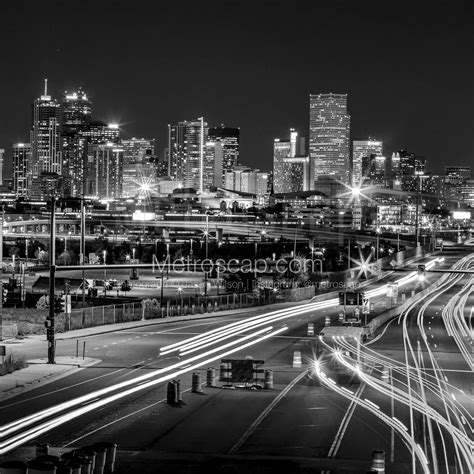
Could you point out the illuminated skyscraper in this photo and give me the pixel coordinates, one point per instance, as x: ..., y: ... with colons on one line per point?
x: 98, y: 132
x: 45, y: 135
x: 411, y: 167
x: 186, y: 145
x: 361, y: 148
x: 291, y: 169
x: 2, y: 151
x: 329, y: 135
x: 230, y: 139
x: 281, y: 151
x: 374, y: 170
x: 213, y: 164
x: 458, y: 172
x: 138, y: 162
x: 21, y: 160
x: 76, y: 116
x: 104, y: 171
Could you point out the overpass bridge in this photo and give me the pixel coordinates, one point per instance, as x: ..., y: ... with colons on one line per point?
x: 124, y: 228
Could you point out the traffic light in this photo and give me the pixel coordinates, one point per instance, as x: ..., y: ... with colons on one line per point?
x: 4, y: 294
x: 59, y: 304
x: 421, y: 273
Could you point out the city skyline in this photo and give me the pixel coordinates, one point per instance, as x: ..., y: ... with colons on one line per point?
x: 385, y: 106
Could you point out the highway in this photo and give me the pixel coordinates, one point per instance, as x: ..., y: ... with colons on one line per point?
x: 305, y: 419
x: 423, y: 362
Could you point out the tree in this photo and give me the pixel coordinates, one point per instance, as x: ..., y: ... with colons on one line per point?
x: 13, y: 251
x: 43, y: 302
x: 125, y: 286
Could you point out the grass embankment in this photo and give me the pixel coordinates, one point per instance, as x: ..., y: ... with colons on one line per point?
x: 30, y: 320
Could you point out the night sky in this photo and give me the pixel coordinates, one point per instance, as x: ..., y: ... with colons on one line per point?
x: 407, y: 67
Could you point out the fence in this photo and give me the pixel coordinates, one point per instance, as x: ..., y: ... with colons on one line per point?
x: 150, y: 309
x: 298, y: 294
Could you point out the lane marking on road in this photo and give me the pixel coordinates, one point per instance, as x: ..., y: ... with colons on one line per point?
x: 265, y: 413
x: 100, y: 428
x: 345, y: 423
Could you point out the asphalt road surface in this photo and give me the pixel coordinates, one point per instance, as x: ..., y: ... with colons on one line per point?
x: 304, y: 423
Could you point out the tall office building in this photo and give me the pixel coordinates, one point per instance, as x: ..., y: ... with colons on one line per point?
x: 21, y: 153
x: 374, y: 170
x: 461, y: 172
x: 45, y: 136
x: 230, y: 139
x: 76, y: 116
x: 281, y: 151
x: 104, y: 171
x: 2, y: 151
x: 213, y: 164
x: 360, y: 149
x: 292, y: 171
x: 246, y: 180
x: 138, y: 163
x: 411, y: 167
x: 186, y: 145
x: 98, y: 132
x: 262, y: 183
x: 329, y: 135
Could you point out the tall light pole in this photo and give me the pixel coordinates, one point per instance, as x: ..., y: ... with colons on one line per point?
x: 1, y: 273
x: 296, y: 229
x: 378, y: 242
x: 206, y: 233
x: 420, y: 176
x: 104, y: 254
x: 26, y: 252
x: 52, y: 275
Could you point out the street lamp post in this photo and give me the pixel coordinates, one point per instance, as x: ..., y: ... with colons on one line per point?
x: 104, y: 255
x: 296, y: 229
x: 378, y: 243
x: 180, y: 295
x: 206, y: 233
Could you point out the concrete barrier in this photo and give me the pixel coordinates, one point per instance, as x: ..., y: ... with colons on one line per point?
x: 394, y: 312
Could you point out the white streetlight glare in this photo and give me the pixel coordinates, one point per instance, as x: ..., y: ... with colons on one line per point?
x: 355, y: 191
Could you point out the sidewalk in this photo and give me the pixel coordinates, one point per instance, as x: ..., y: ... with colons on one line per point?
x: 40, y: 372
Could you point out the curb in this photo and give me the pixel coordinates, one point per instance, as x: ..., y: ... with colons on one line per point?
x: 152, y: 322
x: 35, y: 383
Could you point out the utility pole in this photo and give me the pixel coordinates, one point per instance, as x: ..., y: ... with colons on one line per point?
x: 417, y: 211
x: 1, y: 273
x: 52, y: 274
x: 207, y: 255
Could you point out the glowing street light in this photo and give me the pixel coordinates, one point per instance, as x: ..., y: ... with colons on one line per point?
x: 104, y: 256
x: 355, y: 191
